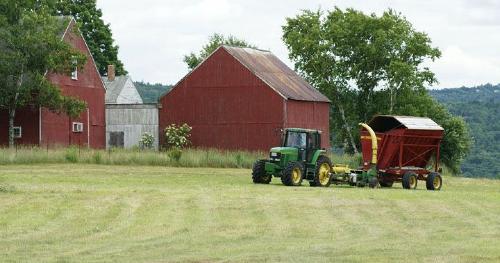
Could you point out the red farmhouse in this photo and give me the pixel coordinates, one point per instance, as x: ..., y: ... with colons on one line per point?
x: 42, y: 127
x: 241, y: 98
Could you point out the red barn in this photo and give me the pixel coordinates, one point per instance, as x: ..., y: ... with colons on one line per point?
x: 241, y: 98
x: 42, y: 127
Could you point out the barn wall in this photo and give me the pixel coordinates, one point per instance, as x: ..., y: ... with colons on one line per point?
x: 56, y: 128
x: 227, y: 106
x: 309, y: 115
x: 134, y: 121
x: 27, y: 119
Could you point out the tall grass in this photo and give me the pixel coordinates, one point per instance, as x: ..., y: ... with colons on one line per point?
x: 211, y: 158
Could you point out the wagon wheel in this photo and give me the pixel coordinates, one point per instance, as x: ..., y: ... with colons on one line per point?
x: 434, y: 181
x: 410, y: 180
x: 373, y: 182
x: 386, y: 184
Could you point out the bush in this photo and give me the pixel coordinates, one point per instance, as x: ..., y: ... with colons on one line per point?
x: 177, y: 136
x: 147, y: 141
x: 71, y: 155
x: 175, y: 154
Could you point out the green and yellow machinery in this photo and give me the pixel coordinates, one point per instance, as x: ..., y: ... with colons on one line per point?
x: 395, y: 149
x: 300, y: 157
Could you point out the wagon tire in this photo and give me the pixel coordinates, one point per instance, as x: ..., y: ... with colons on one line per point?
x: 322, y: 173
x: 434, y: 181
x: 259, y: 175
x: 410, y: 180
x: 293, y: 174
x: 386, y: 184
x: 373, y: 182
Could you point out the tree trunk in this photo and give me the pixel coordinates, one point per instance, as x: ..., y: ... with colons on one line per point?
x: 12, y: 116
x: 347, y: 128
x: 12, y: 110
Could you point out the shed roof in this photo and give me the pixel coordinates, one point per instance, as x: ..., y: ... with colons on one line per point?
x: 121, y: 90
x: 270, y: 69
x: 382, y: 123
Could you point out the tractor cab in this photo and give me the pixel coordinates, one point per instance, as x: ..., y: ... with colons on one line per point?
x: 299, y: 157
x: 305, y: 141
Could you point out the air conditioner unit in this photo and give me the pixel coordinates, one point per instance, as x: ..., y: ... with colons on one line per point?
x: 77, y: 127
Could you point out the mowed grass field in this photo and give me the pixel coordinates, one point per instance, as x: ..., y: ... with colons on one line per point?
x: 97, y: 213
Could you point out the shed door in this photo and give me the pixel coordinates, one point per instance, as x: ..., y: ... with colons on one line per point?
x: 116, y: 139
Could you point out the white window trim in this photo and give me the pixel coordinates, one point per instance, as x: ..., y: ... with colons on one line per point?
x: 74, y: 74
x: 77, y: 127
x: 20, y: 135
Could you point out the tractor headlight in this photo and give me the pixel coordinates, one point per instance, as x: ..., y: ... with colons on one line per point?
x: 275, y: 156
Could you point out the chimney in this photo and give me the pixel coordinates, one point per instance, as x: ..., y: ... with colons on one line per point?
x: 111, y: 72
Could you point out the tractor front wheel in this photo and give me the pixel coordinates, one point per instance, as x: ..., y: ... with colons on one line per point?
x: 410, y: 180
x: 434, y: 181
x: 322, y: 175
x: 259, y: 175
x: 373, y: 182
x: 293, y: 174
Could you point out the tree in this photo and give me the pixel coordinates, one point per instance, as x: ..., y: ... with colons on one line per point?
x: 368, y: 65
x: 214, y: 41
x: 97, y: 34
x: 31, y: 46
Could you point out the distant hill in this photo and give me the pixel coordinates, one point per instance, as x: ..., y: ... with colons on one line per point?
x: 480, y: 107
x: 150, y: 93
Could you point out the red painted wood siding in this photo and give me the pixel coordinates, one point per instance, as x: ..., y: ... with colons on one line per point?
x: 56, y: 129
x: 227, y: 106
x: 230, y: 108
x: 310, y: 115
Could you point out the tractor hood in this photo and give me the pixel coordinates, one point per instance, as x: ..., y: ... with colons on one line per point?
x: 284, y: 150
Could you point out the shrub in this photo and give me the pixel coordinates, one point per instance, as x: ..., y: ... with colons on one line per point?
x: 177, y: 136
x: 175, y: 154
x: 97, y: 158
x: 71, y: 155
x: 147, y: 141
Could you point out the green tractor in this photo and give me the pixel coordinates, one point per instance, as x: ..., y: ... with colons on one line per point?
x: 300, y: 157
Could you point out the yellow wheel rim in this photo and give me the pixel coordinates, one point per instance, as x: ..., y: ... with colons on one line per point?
x: 324, y: 174
x: 296, y: 175
x: 436, y: 182
x: 413, y: 181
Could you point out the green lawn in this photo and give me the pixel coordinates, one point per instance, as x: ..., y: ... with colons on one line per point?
x: 96, y: 213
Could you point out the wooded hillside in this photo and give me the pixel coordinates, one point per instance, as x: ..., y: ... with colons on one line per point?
x: 480, y: 107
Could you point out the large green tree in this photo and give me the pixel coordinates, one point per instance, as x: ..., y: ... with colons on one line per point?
x: 216, y: 40
x: 97, y: 34
x: 30, y: 47
x: 367, y: 65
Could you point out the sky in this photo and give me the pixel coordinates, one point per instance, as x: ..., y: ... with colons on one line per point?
x: 154, y: 35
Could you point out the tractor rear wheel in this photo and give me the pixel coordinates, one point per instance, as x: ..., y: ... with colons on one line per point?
x: 410, y: 180
x: 386, y: 183
x: 259, y: 175
x: 434, y: 181
x: 322, y: 174
x: 293, y: 174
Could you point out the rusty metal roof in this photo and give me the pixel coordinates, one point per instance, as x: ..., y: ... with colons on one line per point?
x: 388, y: 122
x: 270, y: 69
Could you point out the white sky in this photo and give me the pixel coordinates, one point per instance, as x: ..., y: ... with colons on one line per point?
x: 154, y: 35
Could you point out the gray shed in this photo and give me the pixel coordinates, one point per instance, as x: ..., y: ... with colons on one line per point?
x: 127, y: 117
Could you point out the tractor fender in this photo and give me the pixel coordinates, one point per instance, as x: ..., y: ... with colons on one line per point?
x: 316, y: 155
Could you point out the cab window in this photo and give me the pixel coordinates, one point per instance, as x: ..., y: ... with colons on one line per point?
x: 296, y: 139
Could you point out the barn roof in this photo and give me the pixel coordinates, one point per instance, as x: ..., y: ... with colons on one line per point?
x: 382, y: 123
x: 270, y: 69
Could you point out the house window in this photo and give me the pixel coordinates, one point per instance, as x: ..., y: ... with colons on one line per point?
x: 77, y: 127
x: 74, y: 74
x: 18, y: 132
